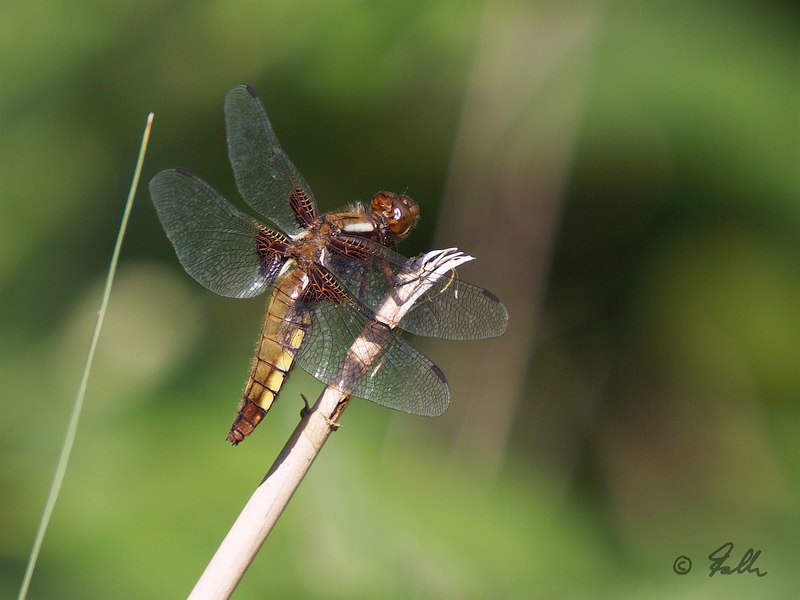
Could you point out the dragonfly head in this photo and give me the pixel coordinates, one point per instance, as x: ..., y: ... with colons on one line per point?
x: 400, y: 211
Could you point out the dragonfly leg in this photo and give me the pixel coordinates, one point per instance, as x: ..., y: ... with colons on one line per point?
x: 333, y: 424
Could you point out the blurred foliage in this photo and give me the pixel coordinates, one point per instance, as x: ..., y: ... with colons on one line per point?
x: 658, y: 410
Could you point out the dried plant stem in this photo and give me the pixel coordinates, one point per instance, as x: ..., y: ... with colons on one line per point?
x: 261, y: 512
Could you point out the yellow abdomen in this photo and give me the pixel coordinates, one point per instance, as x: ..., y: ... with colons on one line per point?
x: 281, y: 336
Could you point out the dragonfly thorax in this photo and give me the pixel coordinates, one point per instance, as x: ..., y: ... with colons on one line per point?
x: 309, y: 247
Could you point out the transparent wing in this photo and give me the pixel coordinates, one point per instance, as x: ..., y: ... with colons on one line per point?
x: 401, y: 378
x: 215, y: 243
x: 265, y: 176
x: 452, y: 309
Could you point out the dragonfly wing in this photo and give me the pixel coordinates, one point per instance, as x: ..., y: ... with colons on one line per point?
x: 401, y: 377
x: 452, y: 309
x: 266, y: 178
x: 215, y: 243
x: 456, y: 310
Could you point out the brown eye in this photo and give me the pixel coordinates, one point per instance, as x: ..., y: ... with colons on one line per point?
x: 399, y: 210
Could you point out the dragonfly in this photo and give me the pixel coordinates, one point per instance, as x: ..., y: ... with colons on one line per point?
x: 327, y: 273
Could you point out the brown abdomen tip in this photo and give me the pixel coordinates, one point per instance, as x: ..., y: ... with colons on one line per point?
x: 235, y: 436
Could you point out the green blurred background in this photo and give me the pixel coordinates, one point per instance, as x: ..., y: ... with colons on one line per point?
x: 626, y: 174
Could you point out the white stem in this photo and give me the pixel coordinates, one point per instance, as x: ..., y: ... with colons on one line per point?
x: 261, y: 512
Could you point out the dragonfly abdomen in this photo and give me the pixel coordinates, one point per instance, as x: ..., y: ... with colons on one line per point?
x: 285, y: 326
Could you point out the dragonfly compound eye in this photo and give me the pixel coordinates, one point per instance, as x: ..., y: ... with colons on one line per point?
x: 399, y: 210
